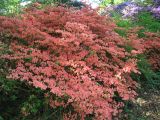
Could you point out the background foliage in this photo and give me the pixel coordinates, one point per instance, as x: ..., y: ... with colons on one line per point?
x: 19, y: 100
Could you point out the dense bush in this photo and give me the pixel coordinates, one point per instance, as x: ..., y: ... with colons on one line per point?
x: 132, y: 9
x: 8, y: 7
x: 14, y: 7
x: 156, y: 12
x: 153, y: 50
x: 149, y: 61
x: 49, y: 2
x: 146, y: 20
x: 149, y: 44
x: 128, y: 9
x: 74, y: 54
x: 19, y: 101
x: 156, y: 2
x: 148, y: 78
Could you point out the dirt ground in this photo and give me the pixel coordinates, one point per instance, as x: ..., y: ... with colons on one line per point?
x: 145, y: 107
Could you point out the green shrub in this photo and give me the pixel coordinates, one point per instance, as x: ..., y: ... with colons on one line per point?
x: 146, y: 20
x: 19, y: 101
x: 125, y: 24
x: 9, y: 7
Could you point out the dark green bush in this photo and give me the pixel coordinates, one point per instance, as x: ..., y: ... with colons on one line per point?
x: 19, y: 101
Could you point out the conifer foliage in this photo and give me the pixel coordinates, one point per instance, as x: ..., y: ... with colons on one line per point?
x: 73, y: 54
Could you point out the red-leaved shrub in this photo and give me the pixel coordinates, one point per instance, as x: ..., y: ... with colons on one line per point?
x: 152, y: 45
x: 148, y: 45
x: 73, y: 54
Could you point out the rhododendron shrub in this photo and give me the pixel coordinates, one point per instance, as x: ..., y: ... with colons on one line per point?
x: 73, y: 54
x: 148, y: 45
x: 152, y: 45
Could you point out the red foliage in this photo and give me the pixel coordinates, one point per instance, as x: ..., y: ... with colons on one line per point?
x: 75, y: 54
x: 149, y: 45
x: 152, y: 45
